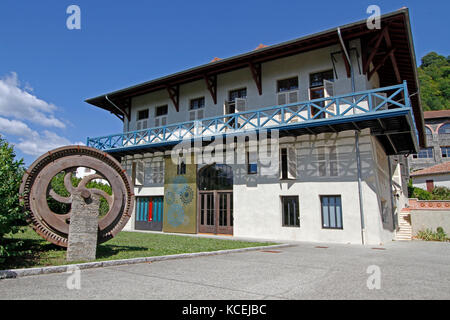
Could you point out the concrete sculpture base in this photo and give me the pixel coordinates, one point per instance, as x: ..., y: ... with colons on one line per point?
x: 83, y: 228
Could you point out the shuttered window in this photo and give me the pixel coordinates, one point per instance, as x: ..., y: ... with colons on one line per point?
x: 291, y: 212
x: 331, y: 212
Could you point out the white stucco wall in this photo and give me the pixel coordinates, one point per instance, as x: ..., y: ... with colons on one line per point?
x: 438, y: 180
x: 257, y: 202
x: 301, y: 65
x: 258, y: 207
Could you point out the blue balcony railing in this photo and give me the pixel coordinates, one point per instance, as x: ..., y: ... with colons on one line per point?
x: 365, y: 105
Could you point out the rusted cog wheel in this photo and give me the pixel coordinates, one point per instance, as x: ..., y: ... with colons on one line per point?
x: 36, y: 188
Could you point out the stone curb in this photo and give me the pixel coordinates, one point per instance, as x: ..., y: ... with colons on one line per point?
x: 16, y: 273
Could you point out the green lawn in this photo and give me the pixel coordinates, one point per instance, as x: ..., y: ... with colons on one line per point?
x: 125, y: 245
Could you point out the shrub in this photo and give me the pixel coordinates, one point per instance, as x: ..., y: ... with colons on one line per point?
x: 12, y: 216
x: 429, y: 235
x: 441, y: 193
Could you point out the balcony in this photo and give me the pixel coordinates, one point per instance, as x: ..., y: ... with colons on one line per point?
x: 386, y: 111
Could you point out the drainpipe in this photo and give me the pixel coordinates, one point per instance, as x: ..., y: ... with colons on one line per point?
x: 392, y: 194
x: 358, y: 155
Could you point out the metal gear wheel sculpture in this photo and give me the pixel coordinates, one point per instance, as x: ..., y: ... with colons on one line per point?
x: 36, y: 188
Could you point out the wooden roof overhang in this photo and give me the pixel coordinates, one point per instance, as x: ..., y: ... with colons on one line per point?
x: 388, y: 51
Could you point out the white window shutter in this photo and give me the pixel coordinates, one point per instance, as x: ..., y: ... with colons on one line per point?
x: 293, y: 96
x: 191, y: 115
x: 139, y: 173
x: 328, y: 88
x: 200, y: 114
x: 281, y: 98
x: 157, y: 122
x: 163, y: 121
x: 292, y: 163
x: 139, y: 125
x: 240, y: 104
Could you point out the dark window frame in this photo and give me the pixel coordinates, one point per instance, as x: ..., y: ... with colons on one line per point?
x: 296, y: 217
x: 139, y: 113
x: 197, y: 106
x: 181, y: 167
x: 239, y: 94
x: 252, y: 168
x: 329, y: 217
x: 289, y: 87
x: 165, y: 111
x: 284, y: 164
x: 429, y: 152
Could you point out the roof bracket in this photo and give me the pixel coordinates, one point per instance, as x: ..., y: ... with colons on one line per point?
x: 255, y: 68
x: 211, y: 84
x: 174, y: 94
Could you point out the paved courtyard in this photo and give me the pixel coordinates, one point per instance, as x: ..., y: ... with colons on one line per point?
x: 409, y: 270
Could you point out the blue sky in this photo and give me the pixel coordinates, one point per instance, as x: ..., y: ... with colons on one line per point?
x: 47, y: 71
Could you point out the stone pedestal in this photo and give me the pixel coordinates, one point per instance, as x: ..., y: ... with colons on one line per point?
x: 83, y: 228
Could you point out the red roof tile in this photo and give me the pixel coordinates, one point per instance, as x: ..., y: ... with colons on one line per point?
x: 260, y: 46
x: 437, y: 169
x: 436, y: 114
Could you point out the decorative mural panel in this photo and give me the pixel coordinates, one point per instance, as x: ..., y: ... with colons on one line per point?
x: 180, y: 198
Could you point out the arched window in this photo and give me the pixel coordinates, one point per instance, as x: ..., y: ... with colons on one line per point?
x: 428, y: 131
x: 444, y: 129
x: 215, y: 177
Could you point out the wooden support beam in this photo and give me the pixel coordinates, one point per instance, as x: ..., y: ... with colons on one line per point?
x: 381, y: 63
x: 211, y: 84
x: 174, y: 94
x: 393, y: 60
x: 255, y: 68
x: 380, y: 37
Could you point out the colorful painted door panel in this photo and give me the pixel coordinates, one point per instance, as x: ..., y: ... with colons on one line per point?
x: 149, y: 213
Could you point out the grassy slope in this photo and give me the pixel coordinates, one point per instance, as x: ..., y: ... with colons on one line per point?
x: 125, y: 245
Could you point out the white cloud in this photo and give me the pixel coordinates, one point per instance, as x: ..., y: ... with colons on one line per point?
x: 20, y: 111
x: 38, y: 144
x: 15, y: 127
x: 18, y: 103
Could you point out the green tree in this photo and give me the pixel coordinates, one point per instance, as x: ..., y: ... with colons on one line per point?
x: 12, y: 216
x: 434, y: 78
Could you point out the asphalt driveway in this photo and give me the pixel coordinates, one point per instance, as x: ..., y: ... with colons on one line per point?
x: 398, y: 270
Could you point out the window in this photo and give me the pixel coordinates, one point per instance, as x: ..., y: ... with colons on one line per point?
x: 331, y: 212
x: 284, y: 164
x: 161, y: 111
x: 327, y: 161
x: 161, y: 116
x: 428, y: 131
x: 196, y: 108
x: 316, y: 79
x: 444, y: 129
x: 287, y: 91
x: 291, y: 215
x: 237, y: 94
x: 154, y: 171
x: 252, y: 163
x: 445, y: 152
x: 197, y: 103
x: 426, y: 153
x: 288, y: 163
x: 142, y: 114
x: 142, y: 120
x: 181, y: 167
x: 317, y: 89
x: 287, y: 84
